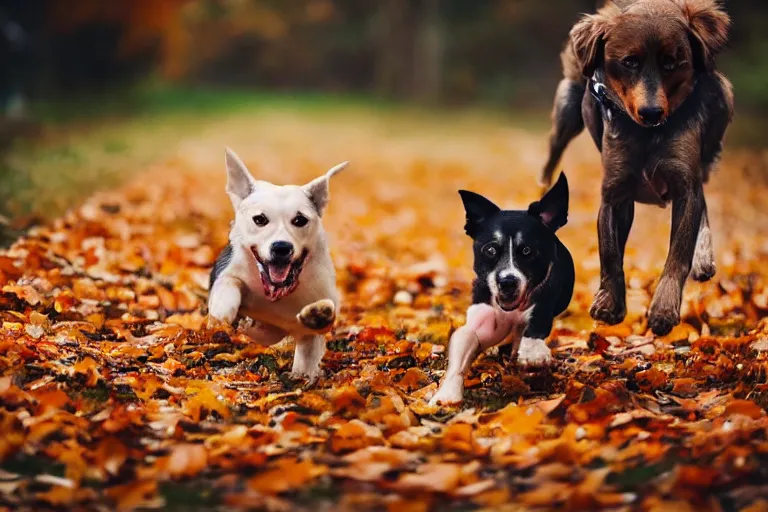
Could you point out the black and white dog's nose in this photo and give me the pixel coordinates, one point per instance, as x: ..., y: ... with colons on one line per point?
x: 509, y: 284
x: 281, y: 250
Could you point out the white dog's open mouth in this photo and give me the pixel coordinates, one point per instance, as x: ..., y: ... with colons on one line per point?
x: 280, y: 279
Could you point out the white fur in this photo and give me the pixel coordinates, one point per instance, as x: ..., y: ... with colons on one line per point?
x: 493, y: 286
x: 511, y: 267
x: 506, y: 267
x: 239, y: 288
x: 703, y: 257
x: 307, y: 356
x: 533, y: 352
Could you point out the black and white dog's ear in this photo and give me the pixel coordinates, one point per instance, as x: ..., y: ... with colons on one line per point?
x: 240, y: 183
x: 552, y: 209
x: 318, y: 191
x: 478, y: 209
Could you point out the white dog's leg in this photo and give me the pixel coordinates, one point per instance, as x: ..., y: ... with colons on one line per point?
x: 534, y: 352
x: 224, y: 300
x: 266, y: 335
x: 307, y: 356
x: 485, y: 328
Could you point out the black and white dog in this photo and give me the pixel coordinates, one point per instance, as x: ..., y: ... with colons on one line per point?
x: 525, y: 278
x: 277, y: 268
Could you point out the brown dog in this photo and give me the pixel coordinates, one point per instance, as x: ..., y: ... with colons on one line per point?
x: 641, y: 76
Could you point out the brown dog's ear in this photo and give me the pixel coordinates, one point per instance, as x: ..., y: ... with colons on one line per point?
x: 588, y: 38
x: 709, y: 25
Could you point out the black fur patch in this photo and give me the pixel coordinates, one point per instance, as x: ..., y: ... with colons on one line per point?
x: 221, y: 263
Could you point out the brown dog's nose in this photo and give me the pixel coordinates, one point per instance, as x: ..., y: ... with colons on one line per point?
x: 651, y: 115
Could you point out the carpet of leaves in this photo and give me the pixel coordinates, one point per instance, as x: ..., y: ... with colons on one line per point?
x: 115, y: 394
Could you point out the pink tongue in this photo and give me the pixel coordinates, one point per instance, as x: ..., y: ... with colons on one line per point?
x: 278, y: 274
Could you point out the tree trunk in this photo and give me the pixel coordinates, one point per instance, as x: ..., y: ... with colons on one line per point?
x: 391, y: 31
x: 429, y: 53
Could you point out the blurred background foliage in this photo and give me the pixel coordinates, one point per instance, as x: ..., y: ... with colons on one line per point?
x: 66, y: 63
x: 434, y: 51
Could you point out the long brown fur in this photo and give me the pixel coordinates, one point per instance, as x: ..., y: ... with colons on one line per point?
x: 669, y: 112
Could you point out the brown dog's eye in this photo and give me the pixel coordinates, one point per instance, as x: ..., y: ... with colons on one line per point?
x: 490, y: 250
x: 260, y: 220
x: 631, y: 62
x: 668, y: 63
x: 299, y: 220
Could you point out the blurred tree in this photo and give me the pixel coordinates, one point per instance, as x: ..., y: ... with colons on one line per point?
x: 504, y: 51
x: 429, y: 52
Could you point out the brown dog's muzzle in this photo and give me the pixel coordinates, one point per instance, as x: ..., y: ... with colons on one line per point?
x: 648, y: 105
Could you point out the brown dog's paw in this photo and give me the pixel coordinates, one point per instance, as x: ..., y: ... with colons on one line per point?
x: 607, y: 309
x: 663, y: 316
x: 662, y: 323
x: 318, y: 316
x: 664, y: 313
x: 703, y: 271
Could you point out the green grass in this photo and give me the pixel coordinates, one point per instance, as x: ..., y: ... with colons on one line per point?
x: 162, y: 100
x: 95, y: 143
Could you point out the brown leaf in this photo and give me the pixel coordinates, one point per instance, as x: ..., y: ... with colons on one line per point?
x: 286, y: 475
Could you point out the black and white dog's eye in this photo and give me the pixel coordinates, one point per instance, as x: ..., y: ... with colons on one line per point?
x: 490, y: 250
x: 299, y: 220
x: 260, y: 220
x: 526, y: 251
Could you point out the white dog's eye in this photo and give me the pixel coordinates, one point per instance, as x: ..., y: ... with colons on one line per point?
x: 490, y: 250
x: 300, y: 220
x: 260, y: 220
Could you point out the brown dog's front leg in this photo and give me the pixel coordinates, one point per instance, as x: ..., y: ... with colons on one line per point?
x: 613, y: 224
x: 687, y: 212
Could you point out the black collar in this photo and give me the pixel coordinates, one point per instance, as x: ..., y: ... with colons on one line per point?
x: 600, y: 92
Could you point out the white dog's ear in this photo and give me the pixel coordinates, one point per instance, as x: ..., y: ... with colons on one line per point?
x: 317, y: 189
x: 240, y: 183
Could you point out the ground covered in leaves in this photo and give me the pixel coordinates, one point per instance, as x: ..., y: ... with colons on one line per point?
x: 114, y: 394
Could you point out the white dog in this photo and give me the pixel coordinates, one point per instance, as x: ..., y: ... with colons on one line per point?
x: 277, y: 267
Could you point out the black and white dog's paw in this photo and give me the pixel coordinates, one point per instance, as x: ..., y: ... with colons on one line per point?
x: 534, y: 353
x: 318, y: 316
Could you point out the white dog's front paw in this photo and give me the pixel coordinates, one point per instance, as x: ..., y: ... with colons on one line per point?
x: 451, y: 392
x: 223, y: 311
x: 224, y: 302
x: 534, y: 352
x: 318, y: 316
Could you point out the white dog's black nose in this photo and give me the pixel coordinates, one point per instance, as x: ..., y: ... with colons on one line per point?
x: 281, y: 250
